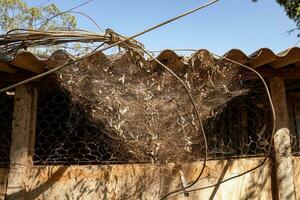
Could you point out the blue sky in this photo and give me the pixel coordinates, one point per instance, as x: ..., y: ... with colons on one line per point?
x: 225, y: 25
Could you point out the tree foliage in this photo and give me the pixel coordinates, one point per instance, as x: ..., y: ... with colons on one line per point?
x: 17, y: 14
x: 292, y: 9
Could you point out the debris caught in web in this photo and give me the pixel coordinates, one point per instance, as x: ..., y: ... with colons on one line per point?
x: 145, y: 107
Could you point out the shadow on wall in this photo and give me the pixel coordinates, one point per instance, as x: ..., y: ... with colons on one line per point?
x: 146, y: 181
x: 253, y: 185
x: 225, y: 169
x: 99, y: 182
x: 258, y: 183
x: 34, y: 193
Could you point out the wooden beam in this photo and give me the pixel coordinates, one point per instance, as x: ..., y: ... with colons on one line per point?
x: 13, y: 78
x: 288, y: 72
x: 296, y: 103
x: 282, y: 142
x: 22, y: 130
x: 3, y: 180
x: 5, y: 67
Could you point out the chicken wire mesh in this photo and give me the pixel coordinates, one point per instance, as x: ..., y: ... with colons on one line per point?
x: 123, y: 109
x: 243, y: 127
x: 6, y: 115
x: 66, y: 135
x: 293, y: 103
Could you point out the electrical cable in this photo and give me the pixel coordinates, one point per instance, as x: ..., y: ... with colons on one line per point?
x: 42, y: 3
x: 61, y: 13
x: 81, y: 13
x: 199, y: 121
x: 273, y: 120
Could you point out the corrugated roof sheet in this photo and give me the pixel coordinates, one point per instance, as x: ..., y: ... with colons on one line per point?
x: 29, y: 62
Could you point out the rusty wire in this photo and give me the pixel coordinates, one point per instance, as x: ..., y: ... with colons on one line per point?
x: 272, y: 130
x: 44, y: 23
x: 18, y: 39
x: 199, y: 121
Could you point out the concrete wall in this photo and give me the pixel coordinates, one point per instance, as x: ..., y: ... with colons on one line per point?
x: 148, y: 181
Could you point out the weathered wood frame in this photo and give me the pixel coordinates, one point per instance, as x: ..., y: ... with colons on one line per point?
x: 22, y: 145
x: 283, y: 165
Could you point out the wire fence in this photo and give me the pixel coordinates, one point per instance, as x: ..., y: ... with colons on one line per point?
x: 242, y: 129
x: 293, y: 103
x: 66, y: 132
x: 75, y: 118
x: 66, y: 135
x: 73, y: 126
x: 6, y: 115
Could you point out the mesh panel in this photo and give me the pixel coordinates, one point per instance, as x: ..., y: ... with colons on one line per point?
x: 293, y: 102
x: 69, y: 133
x: 242, y: 128
x: 6, y: 113
x: 65, y: 135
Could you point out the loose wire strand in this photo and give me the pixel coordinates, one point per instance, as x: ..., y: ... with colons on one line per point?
x: 273, y: 127
x: 273, y: 120
x: 17, y: 39
x: 42, y: 3
x: 61, y: 13
x: 184, y: 190
x: 199, y: 121
x: 83, y: 14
